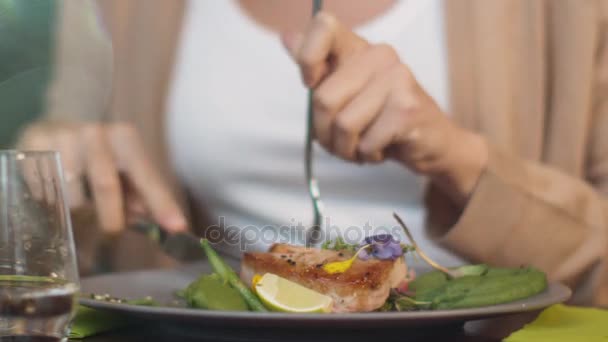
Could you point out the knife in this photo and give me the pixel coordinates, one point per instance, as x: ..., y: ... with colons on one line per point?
x: 184, y: 247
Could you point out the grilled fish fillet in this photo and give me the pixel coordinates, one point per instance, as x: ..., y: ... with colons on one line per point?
x: 363, y: 287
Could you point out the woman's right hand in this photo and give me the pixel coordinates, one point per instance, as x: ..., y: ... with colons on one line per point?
x: 106, y: 164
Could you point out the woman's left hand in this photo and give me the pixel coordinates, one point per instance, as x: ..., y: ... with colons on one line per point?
x: 369, y: 107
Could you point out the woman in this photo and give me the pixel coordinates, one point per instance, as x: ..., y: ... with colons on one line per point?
x: 515, y: 159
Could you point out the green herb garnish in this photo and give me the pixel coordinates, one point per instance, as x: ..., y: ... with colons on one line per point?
x: 339, y: 245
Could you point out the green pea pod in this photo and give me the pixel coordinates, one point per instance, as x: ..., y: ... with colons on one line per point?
x: 211, y: 292
x: 428, y: 281
x: 501, y: 271
x: 496, y: 282
x: 433, y: 280
x: 229, y: 275
x: 458, y: 289
x: 450, y: 290
x: 497, y: 288
x: 470, y: 270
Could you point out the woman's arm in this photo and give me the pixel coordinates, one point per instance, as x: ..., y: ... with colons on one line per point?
x: 539, y: 215
x: 110, y: 179
x: 82, y: 72
x: 368, y: 107
x: 523, y: 212
x: 484, y: 203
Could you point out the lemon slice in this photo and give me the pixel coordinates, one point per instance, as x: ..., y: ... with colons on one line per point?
x: 280, y: 294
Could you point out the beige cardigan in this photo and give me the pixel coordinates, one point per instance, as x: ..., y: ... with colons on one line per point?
x: 530, y: 75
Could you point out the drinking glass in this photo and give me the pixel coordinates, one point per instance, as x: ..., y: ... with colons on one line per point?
x: 38, y: 271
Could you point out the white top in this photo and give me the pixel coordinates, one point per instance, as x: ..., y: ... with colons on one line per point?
x: 236, y: 121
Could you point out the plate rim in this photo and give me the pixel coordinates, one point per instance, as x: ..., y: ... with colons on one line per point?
x: 561, y: 294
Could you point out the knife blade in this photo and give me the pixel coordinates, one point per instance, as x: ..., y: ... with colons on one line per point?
x: 183, y: 246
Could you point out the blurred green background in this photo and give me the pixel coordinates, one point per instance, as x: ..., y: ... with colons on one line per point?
x: 26, y: 42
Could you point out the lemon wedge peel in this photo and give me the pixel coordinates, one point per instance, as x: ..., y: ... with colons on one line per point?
x: 283, y: 295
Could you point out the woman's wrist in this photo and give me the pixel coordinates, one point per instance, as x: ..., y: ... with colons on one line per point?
x: 464, y: 162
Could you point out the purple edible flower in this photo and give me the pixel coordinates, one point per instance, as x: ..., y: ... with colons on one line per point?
x: 382, y: 246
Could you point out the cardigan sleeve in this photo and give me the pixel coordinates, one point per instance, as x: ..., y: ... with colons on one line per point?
x: 527, y: 213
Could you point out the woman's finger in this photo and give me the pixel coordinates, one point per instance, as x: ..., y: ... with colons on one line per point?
x: 147, y: 182
x: 135, y: 206
x: 340, y: 87
x: 103, y: 178
x: 67, y: 142
x: 34, y: 138
x: 325, y: 38
x: 389, y: 126
x: 358, y: 115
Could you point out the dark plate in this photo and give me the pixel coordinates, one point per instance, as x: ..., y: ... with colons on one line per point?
x: 161, y: 284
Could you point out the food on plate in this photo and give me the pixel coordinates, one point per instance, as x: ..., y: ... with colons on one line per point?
x: 280, y: 294
x: 494, y: 286
x: 370, y: 276
x: 365, y: 286
x: 341, y: 277
x: 228, y: 275
x: 145, y: 301
x: 211, y: 292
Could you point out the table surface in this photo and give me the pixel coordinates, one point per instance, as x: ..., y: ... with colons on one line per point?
x: 479, y: 331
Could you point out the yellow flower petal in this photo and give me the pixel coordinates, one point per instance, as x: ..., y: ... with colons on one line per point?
x: 341, y: 266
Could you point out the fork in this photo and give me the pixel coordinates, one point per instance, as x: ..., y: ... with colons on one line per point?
x: 313, y: 234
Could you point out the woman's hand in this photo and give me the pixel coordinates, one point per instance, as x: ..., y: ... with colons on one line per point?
x: 106, y: 164
x: 369, y: 107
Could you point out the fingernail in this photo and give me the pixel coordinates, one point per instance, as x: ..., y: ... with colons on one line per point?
x: 175, y: 223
